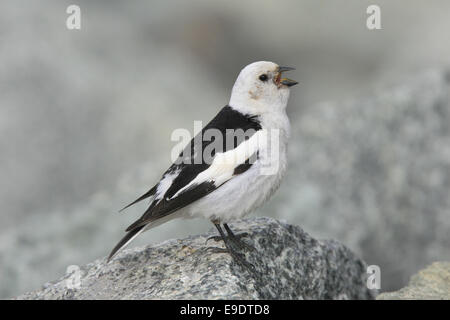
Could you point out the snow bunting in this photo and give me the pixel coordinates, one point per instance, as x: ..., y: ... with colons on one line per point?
x: 241, y: 171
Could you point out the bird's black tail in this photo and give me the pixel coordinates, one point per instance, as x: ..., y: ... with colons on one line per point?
x: 125, y: 240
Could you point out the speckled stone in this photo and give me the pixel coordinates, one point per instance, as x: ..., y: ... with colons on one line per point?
x: 289, y: 264
x: 431, y: 283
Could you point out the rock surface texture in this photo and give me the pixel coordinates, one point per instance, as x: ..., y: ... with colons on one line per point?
x: 289, y: 264
x: 430, y: 283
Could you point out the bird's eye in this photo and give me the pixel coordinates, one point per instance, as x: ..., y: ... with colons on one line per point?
x: 263, y: 77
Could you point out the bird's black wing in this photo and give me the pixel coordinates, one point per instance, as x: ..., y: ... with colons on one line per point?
x: 226, y: 122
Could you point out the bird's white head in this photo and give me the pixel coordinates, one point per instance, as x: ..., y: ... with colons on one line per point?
x: 260, y: 89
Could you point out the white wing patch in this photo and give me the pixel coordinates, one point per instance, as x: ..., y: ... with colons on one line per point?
x: 165, y: 184
x: 223, y: 165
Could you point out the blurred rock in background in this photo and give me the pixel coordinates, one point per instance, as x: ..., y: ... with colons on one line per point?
x: 86, y: 118
x: 431, y: 283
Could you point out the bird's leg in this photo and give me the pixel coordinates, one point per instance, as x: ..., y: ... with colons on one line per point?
x: 215, y: 238
x: 229, y: 248
x: 236, y: 238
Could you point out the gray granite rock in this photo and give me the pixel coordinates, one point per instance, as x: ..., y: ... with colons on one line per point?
x: 431, y: 283
x: 289, y: 264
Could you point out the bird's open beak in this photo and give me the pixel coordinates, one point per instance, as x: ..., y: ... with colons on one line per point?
x: 284, y: 81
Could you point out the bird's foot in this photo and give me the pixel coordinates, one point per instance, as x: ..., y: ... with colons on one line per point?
x: 230, y: 240
x: 236, y: 239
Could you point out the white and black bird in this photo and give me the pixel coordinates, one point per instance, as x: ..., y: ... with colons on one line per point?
x: 232, y: 182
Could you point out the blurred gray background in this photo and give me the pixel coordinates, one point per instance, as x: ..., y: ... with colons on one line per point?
x: 86, y: 118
